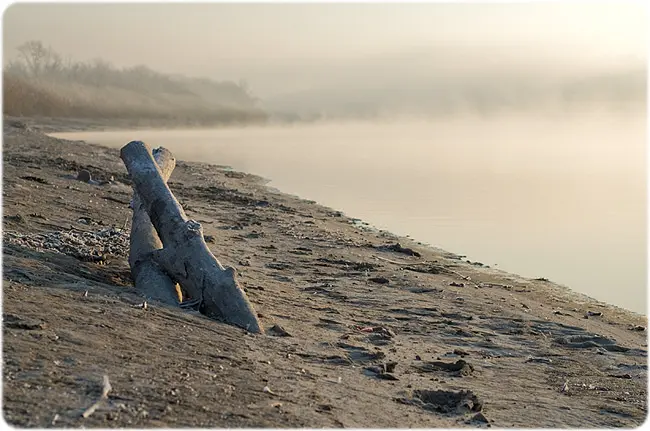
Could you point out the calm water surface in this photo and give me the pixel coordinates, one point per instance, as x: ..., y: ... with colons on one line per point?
x: 560, y: 197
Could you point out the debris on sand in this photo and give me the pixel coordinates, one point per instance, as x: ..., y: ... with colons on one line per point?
x: 589, y: 341
x: 425, y: 268
x: 105, y: 390
x: 480, y: 417
x: 85, y: 246
x: 18, y: 124
x: 560, y: 313
x: 35, y: 179
x: 441, y: 401
x: 380, y: 330
x: 269, y: 391
x: 324, y: 408
x: 397, y: 248
x: 621, y: 376
x: 386, y: 376
x: 460, y: 368
x: 16, y: 322
x: 384, y: 369
x: 539, y: 360
x: 460, y: 352
x: 142, y: 305
x: 381, y: 371
x: 18, y: 218
x: 565, y: 387
x: 278, y: 331
x: 637, y: 328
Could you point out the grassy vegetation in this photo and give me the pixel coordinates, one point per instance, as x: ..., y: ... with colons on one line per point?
x: 40, y: 84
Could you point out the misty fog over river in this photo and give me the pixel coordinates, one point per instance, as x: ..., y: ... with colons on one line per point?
x: 560, y: 197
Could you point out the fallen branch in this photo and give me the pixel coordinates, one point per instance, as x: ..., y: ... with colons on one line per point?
x: 105, y: 390
x: 185, y: 257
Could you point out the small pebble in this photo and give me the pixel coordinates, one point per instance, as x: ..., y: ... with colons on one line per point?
x: 84, y: 176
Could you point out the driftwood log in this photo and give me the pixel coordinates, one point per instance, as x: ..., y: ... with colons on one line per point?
x: 149, y: 278
x: 184, y: 257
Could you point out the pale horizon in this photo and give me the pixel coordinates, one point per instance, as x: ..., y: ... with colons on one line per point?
x: 280, y: 48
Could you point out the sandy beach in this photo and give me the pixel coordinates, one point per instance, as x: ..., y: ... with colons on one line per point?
x: 363, y: 328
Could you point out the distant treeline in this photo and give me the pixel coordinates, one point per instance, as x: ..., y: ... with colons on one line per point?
x: 486, y: 95
x: 39, y: 82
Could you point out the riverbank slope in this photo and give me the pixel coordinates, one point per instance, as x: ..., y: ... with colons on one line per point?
x: 364, y: 329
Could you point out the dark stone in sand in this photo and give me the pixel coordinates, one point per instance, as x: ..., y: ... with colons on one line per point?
x: 278, y: 331
x: 560, y: 313
x: 390, y: 366
x: 379, y: 280
x: 459, y: 368
x: 480, y: 417
x: 84, y: 176
x: 397, y: 247
x: 324, y: 408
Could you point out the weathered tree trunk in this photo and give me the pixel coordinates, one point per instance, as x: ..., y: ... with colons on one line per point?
x: 149, y: 277
x: 185, y: 256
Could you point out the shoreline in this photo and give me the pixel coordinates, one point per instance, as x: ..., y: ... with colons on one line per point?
x: 476, y: 258
x: 310, y: 271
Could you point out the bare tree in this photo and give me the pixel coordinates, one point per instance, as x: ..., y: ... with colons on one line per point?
x: 39, y: 59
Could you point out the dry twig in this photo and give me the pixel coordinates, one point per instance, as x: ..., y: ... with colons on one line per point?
x: 106, y: 389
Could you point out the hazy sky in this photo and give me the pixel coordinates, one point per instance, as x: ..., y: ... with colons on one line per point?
x: 279, y: 47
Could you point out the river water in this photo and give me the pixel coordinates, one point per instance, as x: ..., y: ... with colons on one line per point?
x: 561, y: 197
